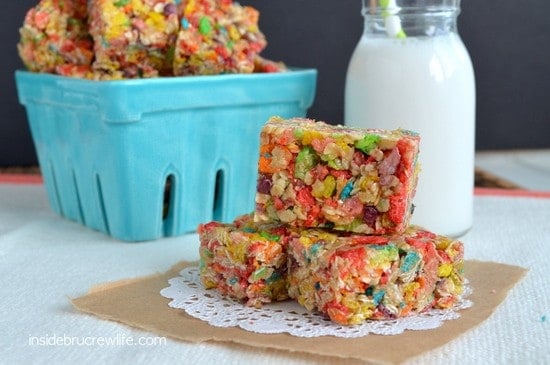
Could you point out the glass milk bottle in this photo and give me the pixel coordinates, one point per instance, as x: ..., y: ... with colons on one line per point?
x: 411, y: 70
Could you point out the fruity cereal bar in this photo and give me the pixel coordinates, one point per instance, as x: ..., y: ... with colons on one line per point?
x: 133, y: 38
x: 54, y: 38
x: 356, y: 278
x: 244, y: 261
x: 217, y: 36
x: 312, y: 174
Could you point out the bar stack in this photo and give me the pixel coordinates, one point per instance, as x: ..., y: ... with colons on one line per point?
x: 331, y: 228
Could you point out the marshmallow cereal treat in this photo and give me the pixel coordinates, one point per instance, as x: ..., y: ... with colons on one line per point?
x: 313, y: 174
x: 348, y: 277
x: 54, y: 38
x: 244, y: 261
x: 354, y: 278
x: 127, y: 39
x: 133, y: 38
x: 217, y: 36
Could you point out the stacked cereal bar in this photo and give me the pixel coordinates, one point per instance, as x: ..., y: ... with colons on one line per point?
x: 331, y: 229
x: 312, y: 174
x: 352, y: 278
x: 349, y: 277
x: 244, y: 261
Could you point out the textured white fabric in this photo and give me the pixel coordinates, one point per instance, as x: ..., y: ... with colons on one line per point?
x: 45, y: 260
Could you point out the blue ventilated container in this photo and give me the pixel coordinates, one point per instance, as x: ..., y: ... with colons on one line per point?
x: 143, y: 159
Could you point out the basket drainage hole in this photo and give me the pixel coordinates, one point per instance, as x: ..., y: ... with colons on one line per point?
x: 218, y: 205
x: 167, y: 197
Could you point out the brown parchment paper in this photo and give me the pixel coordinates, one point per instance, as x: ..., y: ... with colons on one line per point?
x: 137, y: 303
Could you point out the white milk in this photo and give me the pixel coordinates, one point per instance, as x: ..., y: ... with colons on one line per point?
x: 426, y: 85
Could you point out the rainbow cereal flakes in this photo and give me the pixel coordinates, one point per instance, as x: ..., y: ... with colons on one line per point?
x: 331, y: 228
x: 55, y: 39
x: 312, y: 174
x: 357, y: 277
x: 124, y: 39
x: 348, y: 277
x: 244, y: 261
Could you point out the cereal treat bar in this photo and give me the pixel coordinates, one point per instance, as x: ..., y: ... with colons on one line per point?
x: 244, y: 261
x: 133, y: 38
x: 312, y: 174
x: 217, y: 36
x: 54, y: 38
x: 355, y: 278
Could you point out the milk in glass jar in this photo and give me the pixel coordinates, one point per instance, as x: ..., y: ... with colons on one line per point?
x: 411, y: 70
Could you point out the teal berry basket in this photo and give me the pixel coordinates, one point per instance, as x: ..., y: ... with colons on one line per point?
x: 151, y: 158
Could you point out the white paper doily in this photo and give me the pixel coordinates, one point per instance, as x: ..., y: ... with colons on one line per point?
x: 187, y: 293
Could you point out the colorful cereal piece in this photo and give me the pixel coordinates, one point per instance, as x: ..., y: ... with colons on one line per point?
x: 133, y: 38
x: 312, y: 174
x: 244, y: 261
x: 54, y: 36
x: 72, y: 70
x: 217, y: 37
x: 264, y: 65
x: 355, y: 278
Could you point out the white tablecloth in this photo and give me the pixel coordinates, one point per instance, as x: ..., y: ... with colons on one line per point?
x: 45, y: 260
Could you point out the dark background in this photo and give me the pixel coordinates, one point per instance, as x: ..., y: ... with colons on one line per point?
x: 509, y: 43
